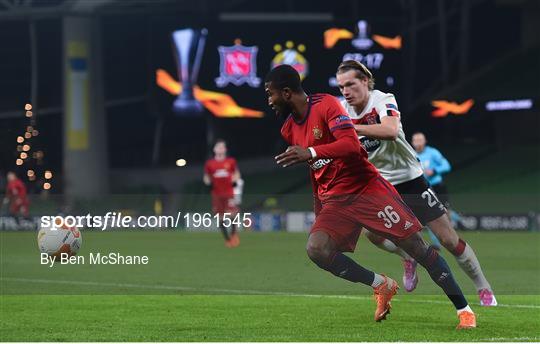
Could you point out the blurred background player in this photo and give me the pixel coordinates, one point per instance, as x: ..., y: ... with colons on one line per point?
x: 349, y: 193
x: 435, y: 165
x: 378, y: 125
x: 16, y: 196
x: 222, y: 174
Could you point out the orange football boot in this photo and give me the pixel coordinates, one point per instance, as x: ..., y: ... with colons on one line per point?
x: 467, y: 320
x: 383, y: 294
x: 235, y: 240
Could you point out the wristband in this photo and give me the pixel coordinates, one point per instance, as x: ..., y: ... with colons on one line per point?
x: 313, y: 152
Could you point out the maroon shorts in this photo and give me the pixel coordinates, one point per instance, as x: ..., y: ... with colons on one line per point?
x: 223, y: 204
x: 19, y: 207
x: 379, y: 209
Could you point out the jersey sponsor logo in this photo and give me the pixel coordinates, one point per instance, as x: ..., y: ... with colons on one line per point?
x: 407, y: 225
x: 369, y: 144
x: 221, y: 173
x: 317, y: 133
x: 320, y: 163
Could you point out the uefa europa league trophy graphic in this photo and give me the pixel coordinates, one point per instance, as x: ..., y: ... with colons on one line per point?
x: 189, y: 46
x: 362, y: 42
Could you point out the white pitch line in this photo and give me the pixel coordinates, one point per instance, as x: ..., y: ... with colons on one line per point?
x: 230, y: 291
x: 513, y: 339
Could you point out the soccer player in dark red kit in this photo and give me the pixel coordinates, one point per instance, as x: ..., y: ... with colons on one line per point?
x: 16, y: 195
x: 349, y: 193
x: 221, y: 173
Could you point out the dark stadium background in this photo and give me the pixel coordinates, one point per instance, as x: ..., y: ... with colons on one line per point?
x: 198, y: 288
x: 454, y: 50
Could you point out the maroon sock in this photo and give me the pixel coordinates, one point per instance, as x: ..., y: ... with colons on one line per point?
x: 460, y: 247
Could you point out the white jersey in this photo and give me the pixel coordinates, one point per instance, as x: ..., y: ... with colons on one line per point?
x: 395, y: 160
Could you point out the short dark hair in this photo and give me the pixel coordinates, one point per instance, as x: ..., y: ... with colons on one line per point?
x: 361, y: 71
x: 220, y: 141
x: 284, y: 76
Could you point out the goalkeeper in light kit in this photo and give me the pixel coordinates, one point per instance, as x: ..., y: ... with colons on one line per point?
x: 222, y: 174
x: 377, y: 122
x: 350, y: 194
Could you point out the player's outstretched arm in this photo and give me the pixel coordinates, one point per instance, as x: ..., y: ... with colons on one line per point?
x: 388, y: 129
x: 346, y: 145
x: 346, y: 142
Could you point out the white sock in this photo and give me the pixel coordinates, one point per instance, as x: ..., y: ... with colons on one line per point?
x: 389, y: 246
x: 378, y: 280
x: 466, y: 309
x: 470, y: 264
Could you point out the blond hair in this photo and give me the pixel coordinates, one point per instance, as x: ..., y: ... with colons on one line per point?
x: 361, y: 71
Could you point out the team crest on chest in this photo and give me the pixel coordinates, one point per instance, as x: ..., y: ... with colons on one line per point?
x: 371, y: 118
x: 317, y: 133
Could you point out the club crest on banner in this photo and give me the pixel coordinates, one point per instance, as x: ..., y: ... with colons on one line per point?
x: 292, y: 57
x: 238, y: 65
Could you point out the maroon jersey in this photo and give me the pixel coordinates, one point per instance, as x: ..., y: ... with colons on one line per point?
x: 16, y: 189
x: 16, y: 193
x: 221, y: 173
x: 341, y: 166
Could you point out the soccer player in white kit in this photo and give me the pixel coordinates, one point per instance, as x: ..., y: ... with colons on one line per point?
x: 376, y: 119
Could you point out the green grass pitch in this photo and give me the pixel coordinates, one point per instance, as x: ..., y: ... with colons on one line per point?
x: 195, y: 289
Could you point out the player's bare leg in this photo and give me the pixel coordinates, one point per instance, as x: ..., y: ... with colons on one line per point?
x: 435, y: 242
x: 465, y: 257
x: 441, y: 274
x: 322, y: 250
x: 410, y: 277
